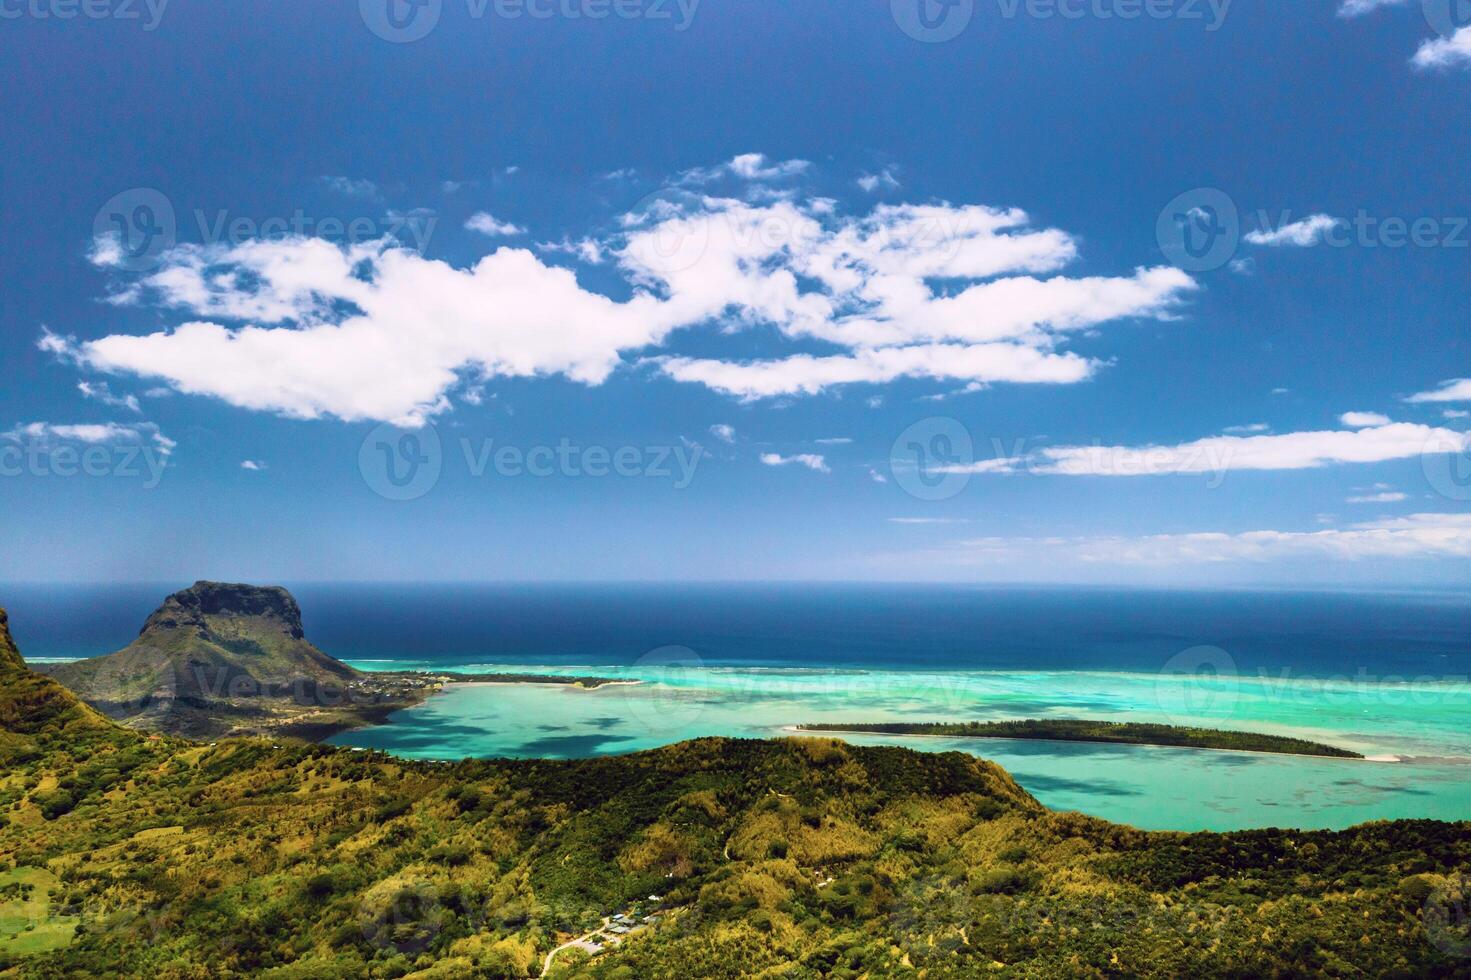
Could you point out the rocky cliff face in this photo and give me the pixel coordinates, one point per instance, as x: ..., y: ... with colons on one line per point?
x: 196, y: 608
x: 10, y: 658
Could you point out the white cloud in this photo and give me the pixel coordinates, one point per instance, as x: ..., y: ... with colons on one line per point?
x: 1246, y: 429
x: 586, y: 249
x: 1455, y: 413
x: 1383, y: 497
x: 254, y: 465
x: 351, y: 187
x: 370, y: 331
x: 486, y: 223
x: 834, y: 441
x: 1220, y: 454
x: 723, y: 432
x: 1308, y: 231
x: 747, y: 166
x: 1362, y: 420
x: 1417, y: 536
x: 883, y: 179
x: 812, y: 461
x: 1358, y: 8
x: 876, y: 476
x: 1454, y: 390
x: 47, y: 434
x: 1445, y: 52
x: 100, y: 392
x: 806, y: 374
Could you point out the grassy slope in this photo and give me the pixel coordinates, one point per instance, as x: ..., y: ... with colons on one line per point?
x: 1129, y: 733
x: 794, y: 858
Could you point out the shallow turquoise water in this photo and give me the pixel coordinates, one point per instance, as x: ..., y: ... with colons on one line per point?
x: 1426, y: 724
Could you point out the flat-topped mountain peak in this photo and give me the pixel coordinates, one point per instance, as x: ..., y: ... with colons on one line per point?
x: 200, y: 606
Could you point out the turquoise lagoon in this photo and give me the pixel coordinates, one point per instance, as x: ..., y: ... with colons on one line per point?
x: 1417, y: 733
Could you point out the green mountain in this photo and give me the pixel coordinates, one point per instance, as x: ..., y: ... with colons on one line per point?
x: 130, y: 855
x: 219, y: 659
x: 33, y: 705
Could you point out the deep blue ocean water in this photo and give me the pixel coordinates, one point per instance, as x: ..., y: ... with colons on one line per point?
x: 1322, y: 634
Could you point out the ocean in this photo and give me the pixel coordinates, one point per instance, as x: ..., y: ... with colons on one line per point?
x: 1381, y: 673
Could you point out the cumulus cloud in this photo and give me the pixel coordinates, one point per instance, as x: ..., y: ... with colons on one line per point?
x: 1358, y: 8
x: 351, y: 187
x: 1361, y: 420
x: 100, y: 392
x: 253, y: 465
x: 884, y: 179
x: 749, y: 167
x: 487, y: 224
x: 1454, y: 390
x: 1417, y: 536
x: 1219, y: 454
x: 723, y: 432
x: 1301, y: 234
x: 1446, y: 52
x: 812, y: 461
x: 589, y: 250
x: 49, y: 434
x: 1383, y: 497
x: 307, y: 328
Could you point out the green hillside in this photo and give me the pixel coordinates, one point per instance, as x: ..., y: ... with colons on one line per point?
x: 134, y: 855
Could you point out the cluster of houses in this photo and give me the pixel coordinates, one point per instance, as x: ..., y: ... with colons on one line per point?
x: 621, y: 924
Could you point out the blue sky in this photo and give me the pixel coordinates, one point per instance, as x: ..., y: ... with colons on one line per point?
x: 744, y: 289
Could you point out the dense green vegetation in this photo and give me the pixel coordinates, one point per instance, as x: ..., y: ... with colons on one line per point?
x: 1074, y: 730
x: 798, y: 858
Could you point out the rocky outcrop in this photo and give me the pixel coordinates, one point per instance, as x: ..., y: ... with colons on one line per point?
x: 194, y: 608
x: 216, y: 658
x: 10, y: 658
